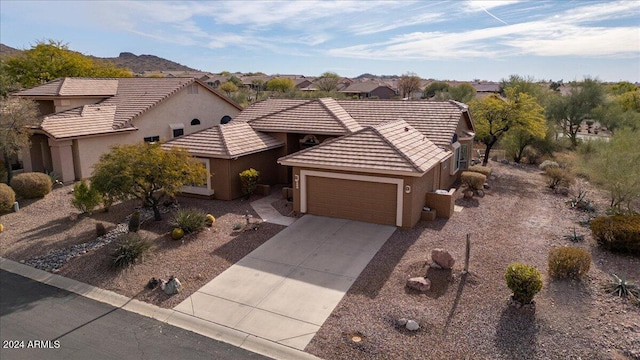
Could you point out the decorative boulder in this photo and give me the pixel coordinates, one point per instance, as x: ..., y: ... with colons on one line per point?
x: 172, y: 286
x: 419, y: 283
x: 412, y: 325
x: 402, y: 322
x: 442, y: 258
x: 468, y: 194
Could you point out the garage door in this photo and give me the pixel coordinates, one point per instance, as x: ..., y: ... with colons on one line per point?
x: 367, y: 201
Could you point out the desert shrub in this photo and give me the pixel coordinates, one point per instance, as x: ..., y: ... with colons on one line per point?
x: 85, y: 198
x: 248, y: 180
x: 189, y: 220
x: 548, y: 164
x: 568, y: 262
x: 31, y: 185
x: 558, y: 177
x: 484, y: 170
x: 532, y: 156
x: 130, y: 248
x: 524, y: 281
x: 473, y: 180
x: 618, y: 233
x: 100, y: 229
x: 7, y: 197
x: 134, y: 222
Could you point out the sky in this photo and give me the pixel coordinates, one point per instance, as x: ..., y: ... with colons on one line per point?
x: 444, y: 40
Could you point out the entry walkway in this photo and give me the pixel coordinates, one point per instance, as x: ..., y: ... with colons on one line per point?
x: 284, y: 290
x: 268, y: 213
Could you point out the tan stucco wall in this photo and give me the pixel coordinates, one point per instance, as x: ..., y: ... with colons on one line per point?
x: 180, y: 108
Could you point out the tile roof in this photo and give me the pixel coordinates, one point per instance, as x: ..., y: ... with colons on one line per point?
x: 438, y: 120
x: 131, y: 97
x: 390, y: 147
x: 317, y: 116
x: 363, y: 87
x: 225, y: 141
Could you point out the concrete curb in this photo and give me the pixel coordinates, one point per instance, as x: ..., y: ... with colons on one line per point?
x: 203, y: 327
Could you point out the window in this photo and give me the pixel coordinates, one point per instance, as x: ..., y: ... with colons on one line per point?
x: 152, y: 139
x: 192, y: 89
x: 201, y: 189
x: 195, y: 122
x: 225, y: 119
x: 178, y: 132
x: 460, y: 157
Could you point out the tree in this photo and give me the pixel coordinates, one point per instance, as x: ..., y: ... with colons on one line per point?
x: 614, y: 165
x: 280, y: 85
x: 258, y: 85
x: 613, y: 116
x: 236, y: 81
x: 408, y: 84
x: 463, y: 93
x: 17, y: 116
x: 328, y: 81
x: 569, y: 111
x: 228, y: 88
x: 146, y: 172
x: 433, y: 88
x: 50, y: 60
x: 495, y: 117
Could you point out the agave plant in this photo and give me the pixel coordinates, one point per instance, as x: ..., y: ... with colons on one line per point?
x: 574, y: 237
x: 623, y: 288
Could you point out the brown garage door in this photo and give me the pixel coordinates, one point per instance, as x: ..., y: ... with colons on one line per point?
x: 354, y: 200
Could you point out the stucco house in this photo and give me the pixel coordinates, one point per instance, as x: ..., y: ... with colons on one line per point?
x: 372, y: 160
x: 83, y: 117
x: 369, y: 90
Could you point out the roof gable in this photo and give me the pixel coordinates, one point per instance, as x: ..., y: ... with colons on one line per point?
x: 94, y: 119
x: 391, y: 147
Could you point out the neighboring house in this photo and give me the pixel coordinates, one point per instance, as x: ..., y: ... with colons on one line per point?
x: 83, y: 118
x: 369, y: 90
x: 371, y: 160
x: 484, y: 89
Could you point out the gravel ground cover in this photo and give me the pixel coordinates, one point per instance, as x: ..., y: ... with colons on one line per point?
x: 468, y: 316
x: 461, y: 317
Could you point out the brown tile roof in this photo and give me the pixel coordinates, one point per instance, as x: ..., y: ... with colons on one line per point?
x: 225, y: 141
x: 390, y: 147
x: 94, y: 119
x: 363, y: 87
x: 132, y: 98
x: 438, y: 120
x: 317, y: 116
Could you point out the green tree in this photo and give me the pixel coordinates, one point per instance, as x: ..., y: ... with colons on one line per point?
x: 433, y: 88
x: 523, y: 84
x: 408, y: 84
x: 17, y: 116
x: 50, y: 60
x: 146, y: 172
x: 281, y: 85
x: 328, y: 81
x: 613, y: 116
x: 228, y: 88
x: 258, y: 85
x: 614, y: 165
x: 463, y: 93
x: 8, y: 84
x: 236, y: 81
x: 569, y: 111
x: 495, y: 117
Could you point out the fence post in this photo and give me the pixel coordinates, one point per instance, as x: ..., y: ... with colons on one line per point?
x: 467, y: 254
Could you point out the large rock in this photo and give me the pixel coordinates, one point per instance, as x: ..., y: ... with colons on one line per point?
x: 419, y: 283
x: 172, y: 286
x: 442, y: 258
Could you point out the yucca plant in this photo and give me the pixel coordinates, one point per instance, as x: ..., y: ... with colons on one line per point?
x: 189, y: 220
x: 623, y: 288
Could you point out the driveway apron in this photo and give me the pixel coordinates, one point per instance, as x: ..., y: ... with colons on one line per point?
x: 285, y: 289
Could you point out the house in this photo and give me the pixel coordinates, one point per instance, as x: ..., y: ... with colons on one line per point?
x: 369, y: 90
x: 83, y: 117
x: 372, y: 160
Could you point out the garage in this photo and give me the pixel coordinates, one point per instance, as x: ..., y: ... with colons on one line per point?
x: 351, y: 196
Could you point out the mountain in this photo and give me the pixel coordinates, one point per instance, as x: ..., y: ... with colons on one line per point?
x: 135, y: 63
x: 142, y: 63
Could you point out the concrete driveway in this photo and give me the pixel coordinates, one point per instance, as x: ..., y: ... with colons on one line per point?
x: 284, y: 290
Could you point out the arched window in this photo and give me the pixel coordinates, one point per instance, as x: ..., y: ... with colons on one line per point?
x: 225, y: 119
x: 195, y: 122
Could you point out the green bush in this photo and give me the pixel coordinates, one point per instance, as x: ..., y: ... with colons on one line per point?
x: 568, y: 262
x: 558, y: 177
x: 618, y: 233
x: 524, y: 280
x: 134, y: 222
x: 85, y: 198
x: 100, y: 229
x: 473, y: 180
x: 7, y: 197
x: 130, y: 248
x: 31, y: 185
x: 484, y: 170
x: 248, y: 180
x: 189, y: 220
x: 548, y: 164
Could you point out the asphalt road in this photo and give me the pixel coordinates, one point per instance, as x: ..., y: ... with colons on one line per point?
x: 68, y: 326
